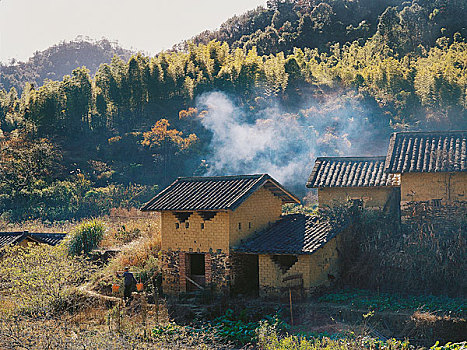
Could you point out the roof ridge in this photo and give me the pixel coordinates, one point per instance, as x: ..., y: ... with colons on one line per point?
x: 212, y: 193
x: 352, y: 157
x: 208, y: 178
x: 248, y: 191
x: 430, y: 132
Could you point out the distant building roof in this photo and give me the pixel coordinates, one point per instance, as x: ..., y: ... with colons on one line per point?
x: 8, y: 238
x: 214, y: 193
x: 441, y: 151
x: 350, y: 172
x: 292, y: 234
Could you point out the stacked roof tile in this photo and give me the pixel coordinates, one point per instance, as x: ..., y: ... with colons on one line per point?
x: 214, y: 193
x: 427, y: 152
x: 349, y: 172
x: 8, y: 238
x: 292, y: 234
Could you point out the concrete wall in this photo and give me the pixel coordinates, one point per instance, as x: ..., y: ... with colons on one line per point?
x: 373, y: 197
x: 314, y: 268
x: 448, y: 187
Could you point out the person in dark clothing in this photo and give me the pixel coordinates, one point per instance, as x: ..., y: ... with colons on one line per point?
x: 129, y: 284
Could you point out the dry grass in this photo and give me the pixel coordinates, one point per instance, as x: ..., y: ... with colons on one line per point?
x: 121, y: 231
x: 37, y: 226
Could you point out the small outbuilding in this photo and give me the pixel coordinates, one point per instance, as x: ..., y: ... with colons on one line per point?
x: 432, y: 166
x: 298, y: 251
x: 363, y: 179
x: 23, y: 238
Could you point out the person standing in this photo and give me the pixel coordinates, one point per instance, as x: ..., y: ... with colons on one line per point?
x: 129, y: 284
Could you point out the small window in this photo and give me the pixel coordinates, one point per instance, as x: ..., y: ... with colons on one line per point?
x: 436, y: 203
x: 239, y: 225
x: 177, y: 225
x: 187, y: 224
x: 202, y: 226
x: 249, y: 225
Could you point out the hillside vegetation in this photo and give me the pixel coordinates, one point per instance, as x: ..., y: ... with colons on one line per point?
x: 76, y: 147
x: 59, y: 60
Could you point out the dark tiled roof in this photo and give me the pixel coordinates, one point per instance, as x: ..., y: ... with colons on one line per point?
x: 49, y: 238
x: 214, y: 193
x: 427, y: 152
x: 8, y: 238
x: 292, y: 234
x: 349, y: 172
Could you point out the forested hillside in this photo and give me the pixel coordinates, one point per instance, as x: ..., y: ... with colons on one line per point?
x: 59, y: 60
x: 286, y: 24
x: 78, y: 146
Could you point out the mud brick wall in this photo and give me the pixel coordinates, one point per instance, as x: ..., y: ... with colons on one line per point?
x: 373, y: 197
x: 177, y: 236
x: 314, y: 268
x: 416, y: 187
x: 261, y: 209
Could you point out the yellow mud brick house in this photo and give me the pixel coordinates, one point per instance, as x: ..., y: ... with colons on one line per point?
x: 432, y: 166
x: 227, y: 233
x: 363, y: 179
x: 202, y: 218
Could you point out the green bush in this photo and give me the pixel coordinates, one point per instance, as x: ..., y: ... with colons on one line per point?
x: 39, y: 279
x: 86, y: 237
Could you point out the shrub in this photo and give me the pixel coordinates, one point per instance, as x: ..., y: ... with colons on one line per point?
x: 40, y: 278
x: 86, y: 237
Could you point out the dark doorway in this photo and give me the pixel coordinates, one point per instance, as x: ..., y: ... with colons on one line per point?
x: 246, y: 273
x: 196, y: 272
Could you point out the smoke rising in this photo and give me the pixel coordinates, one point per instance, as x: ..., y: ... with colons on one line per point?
x: 284, y: 145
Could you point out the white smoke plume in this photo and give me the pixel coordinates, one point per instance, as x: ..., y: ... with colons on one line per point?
x: 282, y: 144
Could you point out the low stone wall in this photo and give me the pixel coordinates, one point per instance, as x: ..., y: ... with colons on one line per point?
x: 417, y: 213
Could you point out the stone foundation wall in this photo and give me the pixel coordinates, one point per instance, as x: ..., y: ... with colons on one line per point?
x: 430, y: 212
x: 175, y: 266
x: 170, y: 272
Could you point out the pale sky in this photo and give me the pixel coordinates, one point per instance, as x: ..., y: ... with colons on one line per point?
x: 145, y: 25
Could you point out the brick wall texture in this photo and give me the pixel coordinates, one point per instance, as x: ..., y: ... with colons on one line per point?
x: 417, y: 187
x: 314, y: 268
x: 373, y: 197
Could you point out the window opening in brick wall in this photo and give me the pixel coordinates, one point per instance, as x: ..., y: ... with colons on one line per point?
x: 249, y: 225
x: 436, y: 203
x: 202, y: 226
x: 177, y: 225
x: 239, y: 225
x: 187, y: 224
x: 182, y: 216
x: 207, y: 215
x: 285, y: 262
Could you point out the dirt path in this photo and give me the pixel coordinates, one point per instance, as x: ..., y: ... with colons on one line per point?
x: 86, y: 289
